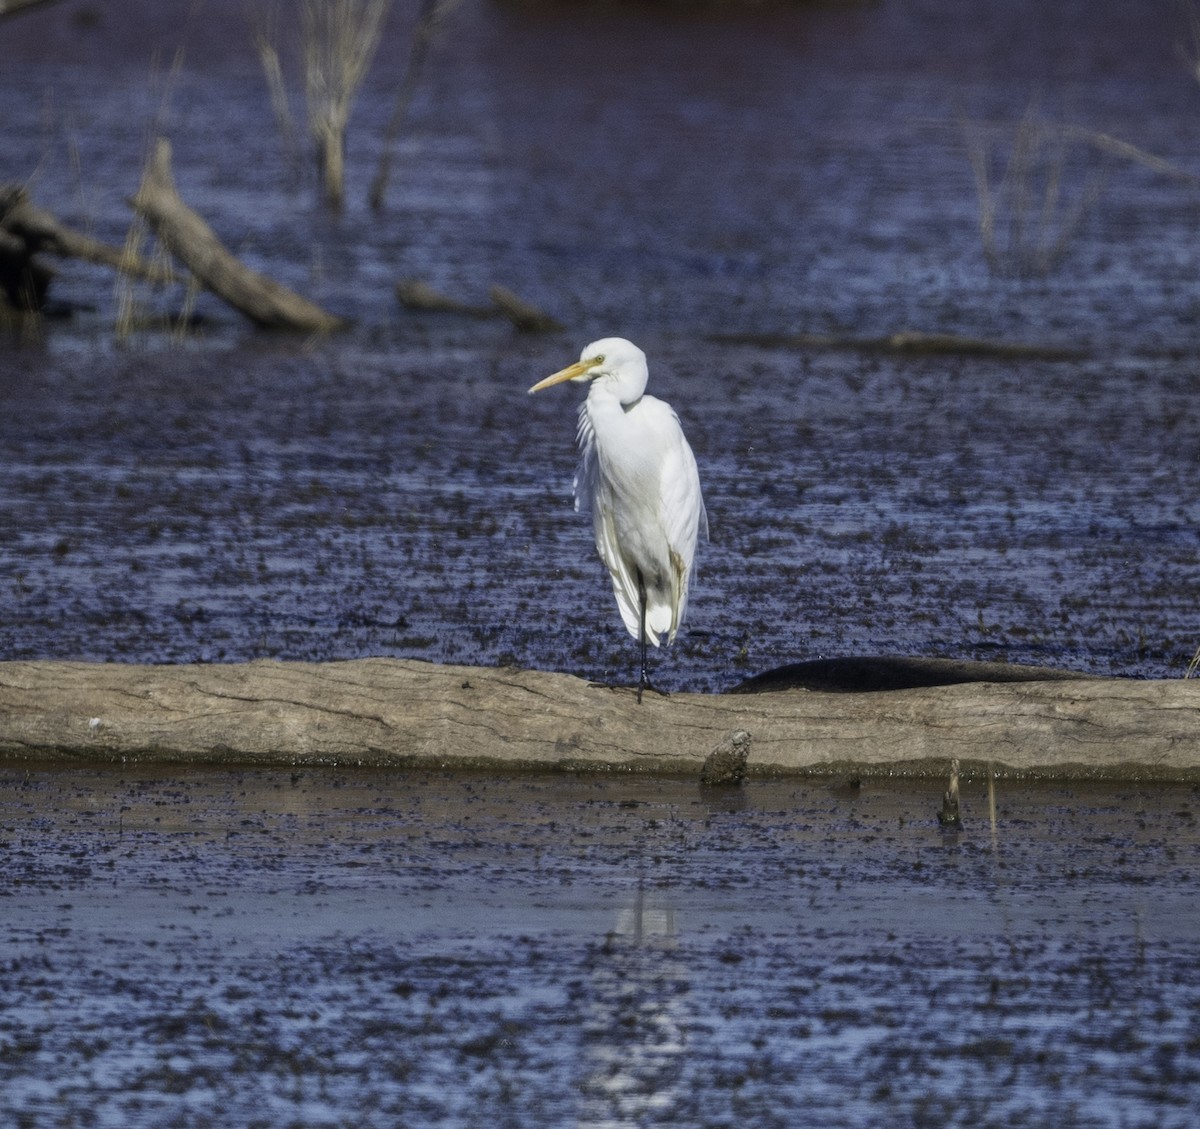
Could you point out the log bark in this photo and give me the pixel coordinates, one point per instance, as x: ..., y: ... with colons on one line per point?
x: 389, y: 712
x: 189, y: 238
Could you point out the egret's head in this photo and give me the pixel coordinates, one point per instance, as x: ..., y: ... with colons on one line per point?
x: 611, y: 358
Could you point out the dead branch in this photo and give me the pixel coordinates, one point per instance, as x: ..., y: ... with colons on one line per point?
x: 431, y: 14
x: 906, y: 342
x: 189, y: 238
x: 12, y: 7
x: 527, y: 318
x: 414, y: 294
x: 27, y: 231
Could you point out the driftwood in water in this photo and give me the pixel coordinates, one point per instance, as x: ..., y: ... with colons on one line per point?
x: 908, y: 342
x: 527, y: 318
x: 27, y: 231
x: 189, y: 238
x: 388, y: 712
x: 413, y: 294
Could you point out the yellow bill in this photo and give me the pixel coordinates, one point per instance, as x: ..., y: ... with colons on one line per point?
x: 577, y: 371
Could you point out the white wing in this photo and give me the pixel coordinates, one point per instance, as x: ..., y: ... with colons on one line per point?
x: 647, y: 511
x: 594, y: 493
x: 584, y: 485
x: 683, y: 514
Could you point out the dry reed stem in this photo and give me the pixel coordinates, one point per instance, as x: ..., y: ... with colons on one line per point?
x: 432, y: 13
x: 266, y: 35
x: 1028, y: 218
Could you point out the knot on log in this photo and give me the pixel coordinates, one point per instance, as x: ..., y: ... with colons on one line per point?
x: 950, y: 816
x: 726, y: 764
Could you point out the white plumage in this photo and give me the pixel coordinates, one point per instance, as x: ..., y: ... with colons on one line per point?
x: 638, y: 475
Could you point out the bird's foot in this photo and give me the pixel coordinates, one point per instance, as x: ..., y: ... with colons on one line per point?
x: 645, y: 684
x: 630, y: 689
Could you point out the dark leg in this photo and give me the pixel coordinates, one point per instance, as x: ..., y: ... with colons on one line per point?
x: 642, y: 680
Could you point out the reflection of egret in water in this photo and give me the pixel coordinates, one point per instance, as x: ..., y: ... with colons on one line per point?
x: 633, y: 1030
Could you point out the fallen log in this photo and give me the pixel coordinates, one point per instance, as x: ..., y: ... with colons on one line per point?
x: 189, y: 238
x: 392, y: 712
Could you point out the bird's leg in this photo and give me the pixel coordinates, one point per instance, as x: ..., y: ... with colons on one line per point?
x: 642, y: 681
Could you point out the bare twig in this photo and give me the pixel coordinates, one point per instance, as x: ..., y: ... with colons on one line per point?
x: 432, y: 13
x: 1028, y: 217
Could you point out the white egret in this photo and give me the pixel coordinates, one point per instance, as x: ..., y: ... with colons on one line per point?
x: 639, y: 476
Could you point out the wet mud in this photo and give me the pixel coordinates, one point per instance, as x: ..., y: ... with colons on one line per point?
x: 324, y: 948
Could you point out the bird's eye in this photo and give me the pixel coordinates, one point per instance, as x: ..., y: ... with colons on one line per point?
x: 600, y: 359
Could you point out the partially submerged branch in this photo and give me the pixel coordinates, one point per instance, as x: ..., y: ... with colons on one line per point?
x: 413, y: 294
x: 907, y: 342
x: 189, y: 238
x: 12, y: 7
x: 432, y: 13
x: 340, y: 40
x: 27, y: 231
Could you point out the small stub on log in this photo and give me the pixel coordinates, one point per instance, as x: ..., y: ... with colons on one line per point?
x: 950, y: 815
x: 726, y: 764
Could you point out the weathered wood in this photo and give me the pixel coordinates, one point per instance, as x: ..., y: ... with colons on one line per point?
x: 389, y: 712
x: 189, y: 238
